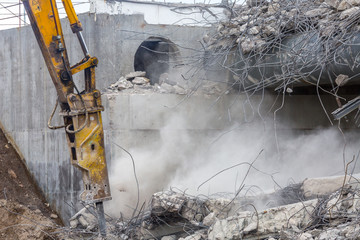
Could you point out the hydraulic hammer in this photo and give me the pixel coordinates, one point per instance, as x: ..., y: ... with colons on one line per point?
x: 81, y: 111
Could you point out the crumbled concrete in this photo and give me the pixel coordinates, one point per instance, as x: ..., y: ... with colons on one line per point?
x: 341, y: 79
x: 171, y: 237
x: 133, y: 83
x: 121, y: 84
x: 334, y: 216
x: 85, y: 219
x: 140, y: 80
x: 166, y: 88
x: 133, y: 75
x: 259, y: 22
x: 315, y: 187
x: 179, y: 205
x: 260, y: 224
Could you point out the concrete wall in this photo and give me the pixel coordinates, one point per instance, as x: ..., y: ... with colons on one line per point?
x: 27, y: 95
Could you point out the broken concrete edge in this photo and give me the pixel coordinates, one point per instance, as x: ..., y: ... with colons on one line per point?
x: 318, y: 187
x: 86, y: 218
x: 205, y: 218
x: 290, y: 221
x: 11, y: 140
x: 135, y: 83
x: 299, y: 215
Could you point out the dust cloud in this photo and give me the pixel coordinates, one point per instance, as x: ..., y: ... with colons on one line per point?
x: 187, y: 159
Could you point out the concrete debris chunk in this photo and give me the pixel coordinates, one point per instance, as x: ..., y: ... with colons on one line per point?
x: 140, y: 80
x: 221, y: 207
x: 333, y: 216
x: 354, y: 2
x: 264, y: 223
x: 85, y: 219
x: 247, y: 46
x: 332, y: 3
x: 12, y: 174
x: 254, y: 3
x: 167, y: 202
x: 121, y: 84
x: 317, y: 12
x: 315, y: 187
x: 341, y: 79
x: 254, y: 30
x: 171, y: 237
x: 166, y: 85
x: 276, y: 20
x: 178, y: 205
x: 348, y: 13
x: 343, y: 5
x: 179, y: 90
x: 305, y: 236
x: 133, y: 75
x: 166, y: 88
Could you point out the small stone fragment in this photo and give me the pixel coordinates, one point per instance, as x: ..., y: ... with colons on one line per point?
x: 121, y: 84
x: 140, y: 80
x: 273, y: 8
x: 332, y: 3
x: 166, y: 88
x: 341, y: 79
x: 354, y: 2
x: 250, y: 228
x: 254, y: 3
x: 74, y: 223
x: 305, y: 236
x: 133, y: 75
x: 179, y: 90
x: 86, y: 218
x: 348, y: 13
x: 269, y: 30
x: 234, y: 31
x: 247, y: 46
x: 317, y: 12
x: 171, y: 237
x: 54, y: 216
x: 254, y: 30
x: 12, y: 173
x: 343, y: 5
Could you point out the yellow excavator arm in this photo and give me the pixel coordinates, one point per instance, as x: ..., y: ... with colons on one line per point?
x: 81, y: 111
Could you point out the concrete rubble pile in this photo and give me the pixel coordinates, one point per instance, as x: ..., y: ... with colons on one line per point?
x: 136, y: 82
x: 259, y: 24
x: 22, y: 223
x: 324, y: 209
x: 329, y: 209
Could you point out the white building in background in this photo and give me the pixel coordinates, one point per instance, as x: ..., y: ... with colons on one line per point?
x: 169, y: 12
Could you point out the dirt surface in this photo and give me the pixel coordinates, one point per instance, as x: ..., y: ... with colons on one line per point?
x: 24, y: 212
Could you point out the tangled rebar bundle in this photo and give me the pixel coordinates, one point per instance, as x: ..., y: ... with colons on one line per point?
x: 281, y: 43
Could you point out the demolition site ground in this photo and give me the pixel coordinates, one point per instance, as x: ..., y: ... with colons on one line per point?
x: 24, y: 212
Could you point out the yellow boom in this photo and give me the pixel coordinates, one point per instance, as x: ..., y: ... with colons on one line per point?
x: 81, y: 111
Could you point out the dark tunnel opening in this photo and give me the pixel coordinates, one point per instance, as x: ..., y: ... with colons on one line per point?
x: 154, y: 56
